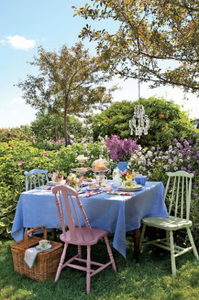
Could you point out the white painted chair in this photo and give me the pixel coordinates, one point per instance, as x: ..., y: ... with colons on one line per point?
x: 35, y: 178
x: 178, y: 189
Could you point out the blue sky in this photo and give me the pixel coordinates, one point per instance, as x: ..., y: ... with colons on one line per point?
x: 27, y: 24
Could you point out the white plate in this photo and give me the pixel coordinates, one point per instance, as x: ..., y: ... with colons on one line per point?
x: 38, y: 248
x: 92, y: 189
x: 130, y: 189
x: 53, y: 183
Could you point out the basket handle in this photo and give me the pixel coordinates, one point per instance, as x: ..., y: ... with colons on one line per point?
x: 31, y: 230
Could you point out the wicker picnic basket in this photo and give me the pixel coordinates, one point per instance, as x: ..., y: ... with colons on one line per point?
x: 46, y: 263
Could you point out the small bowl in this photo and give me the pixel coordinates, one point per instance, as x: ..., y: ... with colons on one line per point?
x: 141, y: 179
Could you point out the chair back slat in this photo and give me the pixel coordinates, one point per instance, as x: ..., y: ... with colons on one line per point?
x: 172, y: 195
x: 178, y: 191
x: 177, y: 196
x: 72, y: 202
x: 189, y: 197
x: 182, y: 197
x: 58, y: 201
x: 35, y: 178
x: 76, y: 216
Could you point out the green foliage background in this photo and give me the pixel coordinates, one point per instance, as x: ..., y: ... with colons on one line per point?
x: 12, y: 179
x: 167, y: 122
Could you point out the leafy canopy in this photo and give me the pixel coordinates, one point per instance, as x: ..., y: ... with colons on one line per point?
x: 69, y: 83
x: 154, y: 34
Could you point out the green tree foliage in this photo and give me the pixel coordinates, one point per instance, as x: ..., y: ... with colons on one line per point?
x: 50, y: 127
x: 21, y: 133
x: 69, y: 83
x: 19, y: 156
x: 154, y: 34
x: 167, y: 122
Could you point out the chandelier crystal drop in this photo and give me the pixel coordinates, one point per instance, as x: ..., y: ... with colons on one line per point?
x: 140, y: 122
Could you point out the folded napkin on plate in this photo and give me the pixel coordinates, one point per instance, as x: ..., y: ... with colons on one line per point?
x: 31, y: 255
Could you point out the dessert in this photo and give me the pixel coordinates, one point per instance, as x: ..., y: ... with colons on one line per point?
x: 87, y: 178
x: 100, y: 165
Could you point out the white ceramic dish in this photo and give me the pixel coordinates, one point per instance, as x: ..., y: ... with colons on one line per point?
x: 92, y: 189
x: 53, y: 183
x: 130, y: 189
x: 38, y: 248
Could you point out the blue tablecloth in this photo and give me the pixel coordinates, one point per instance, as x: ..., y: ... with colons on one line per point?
x: 114, y: 213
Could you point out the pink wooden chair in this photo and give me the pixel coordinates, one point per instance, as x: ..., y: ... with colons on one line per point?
x: 78, y: 235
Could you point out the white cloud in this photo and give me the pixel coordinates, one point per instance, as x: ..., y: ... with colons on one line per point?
x: 3, y: 42
x: 19, y: 100
x: 19, y: 42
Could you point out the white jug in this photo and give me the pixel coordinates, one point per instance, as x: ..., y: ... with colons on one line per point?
x: 116, y: 178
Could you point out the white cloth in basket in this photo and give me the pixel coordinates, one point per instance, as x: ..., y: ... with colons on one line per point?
x: 30, y: 256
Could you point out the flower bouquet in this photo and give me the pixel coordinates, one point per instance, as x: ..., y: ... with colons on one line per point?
x: 120, y: 150
x: 56, y: 176
x: 128, y: 175
x: 74, y: 181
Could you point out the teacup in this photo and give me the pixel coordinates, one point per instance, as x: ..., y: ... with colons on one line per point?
x: 43, y: 244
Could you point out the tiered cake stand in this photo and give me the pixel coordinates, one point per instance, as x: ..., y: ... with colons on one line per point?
x: 82, y: 170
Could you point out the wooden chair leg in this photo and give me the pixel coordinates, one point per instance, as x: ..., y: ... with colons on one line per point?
x: 54, y: 236
x: 173, y: 263
x: 79, y: 251
x: 88, y: 271
x: 142, y: 235
x: 192, y: 243
x: 110, y: 253
x: 61, y: 262
x: 136, y: 237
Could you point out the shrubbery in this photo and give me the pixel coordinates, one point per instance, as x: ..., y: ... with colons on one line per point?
x: 19, y: 156
x: 180, y: 155
x: 167, y: 122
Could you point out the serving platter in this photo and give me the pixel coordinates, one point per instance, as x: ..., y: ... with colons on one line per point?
x: 130, y: 188
x: 81, y: 169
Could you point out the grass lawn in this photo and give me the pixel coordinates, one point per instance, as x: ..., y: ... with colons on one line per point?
x: 150, y: 280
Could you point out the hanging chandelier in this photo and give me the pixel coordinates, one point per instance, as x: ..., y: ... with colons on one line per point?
x: 140, y: 122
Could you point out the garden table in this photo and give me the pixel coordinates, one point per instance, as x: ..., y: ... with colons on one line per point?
x: 115, y: 213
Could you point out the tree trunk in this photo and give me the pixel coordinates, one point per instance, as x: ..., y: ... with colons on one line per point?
x: 65, y: 122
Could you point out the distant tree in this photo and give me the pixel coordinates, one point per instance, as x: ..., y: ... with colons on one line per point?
x: 167, y: 122
x: 50, y: 127
x: 69, y: 83
x: 160, y: 36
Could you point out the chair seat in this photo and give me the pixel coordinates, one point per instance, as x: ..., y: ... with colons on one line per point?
x: 171, y: 223
x: 98, y: 234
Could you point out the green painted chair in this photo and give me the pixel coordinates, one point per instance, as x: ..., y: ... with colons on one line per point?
x: 178, y: 189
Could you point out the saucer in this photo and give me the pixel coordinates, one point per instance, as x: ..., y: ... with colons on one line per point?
x: 39, y: 248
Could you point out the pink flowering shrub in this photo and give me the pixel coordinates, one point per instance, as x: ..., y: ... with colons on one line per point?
x: 120, y: 150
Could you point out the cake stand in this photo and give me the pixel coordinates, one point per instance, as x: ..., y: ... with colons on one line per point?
x: 81, y: 170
